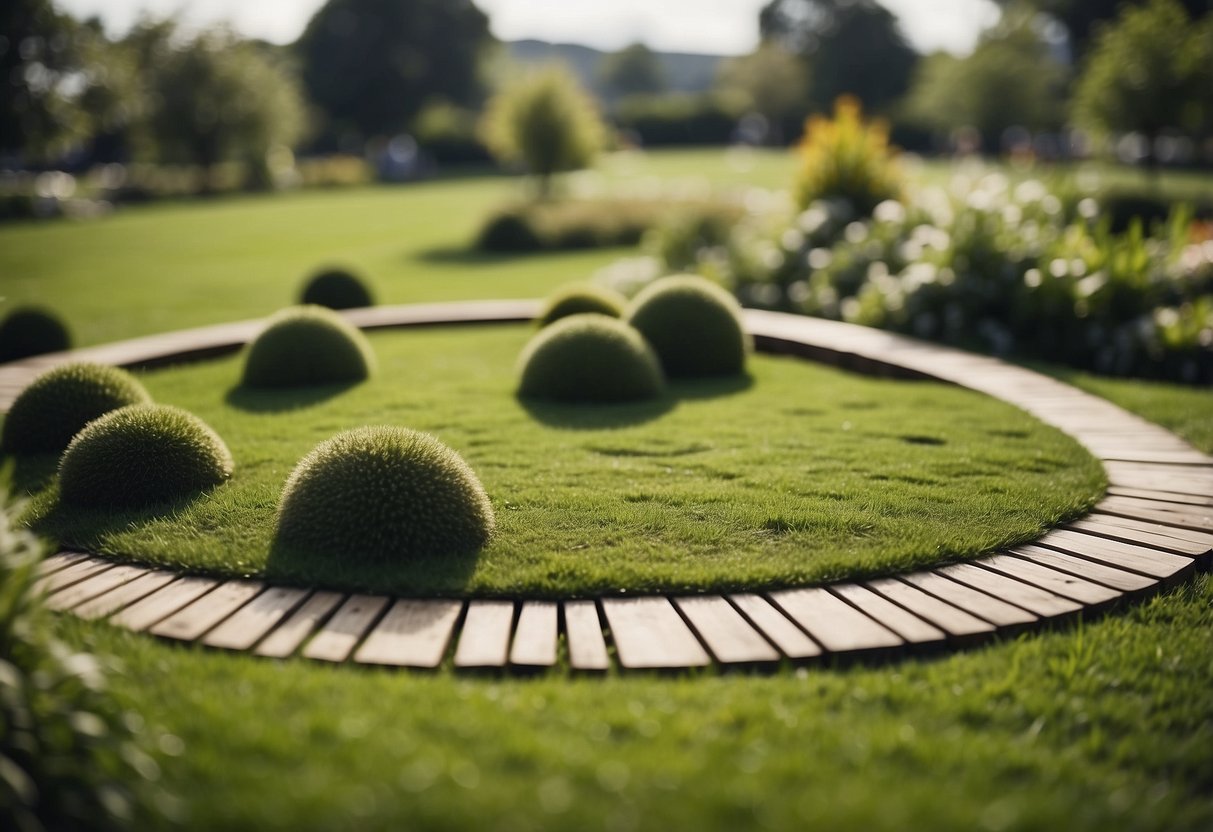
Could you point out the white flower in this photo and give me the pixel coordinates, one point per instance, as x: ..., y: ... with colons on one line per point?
x: 1032, y: 278
x: 820, y: 258
x: 1030, y: 190
x: 856, y: 232
x: 889, y: 211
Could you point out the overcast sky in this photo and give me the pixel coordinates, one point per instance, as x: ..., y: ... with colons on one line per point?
x: 712, y: 26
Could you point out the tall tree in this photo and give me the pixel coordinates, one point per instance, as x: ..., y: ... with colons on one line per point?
x: 372, y: 65
x: 1082, y: 18
x: 773, y: 81
x: 633, y: 70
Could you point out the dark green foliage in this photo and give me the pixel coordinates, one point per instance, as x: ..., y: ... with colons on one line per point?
x: 694, y: 326
x: 384, y: 494
x: 61, y: 401
x: 30, y: 331
x: 336, y: 289
x: 680, y: 118
x: 581, y: 298
x: 142, y: 455
x: 508, y: 231
x: 589, y: 358
x: 308, y: 345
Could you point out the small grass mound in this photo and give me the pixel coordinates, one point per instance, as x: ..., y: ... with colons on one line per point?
x: 384, y: 494
x: 308, y: 345
x: 142, y: 455
x: 579, y: 299
x: 589, y: 358
x: 30, y: 331
x: 337, y: 289
x: 61, y: 401
x: 694, y: 326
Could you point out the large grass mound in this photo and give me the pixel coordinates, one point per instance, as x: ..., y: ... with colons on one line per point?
x: 589, y: 358
x: 305, y: 346
x: 30, y: 330
x: 694, y: 326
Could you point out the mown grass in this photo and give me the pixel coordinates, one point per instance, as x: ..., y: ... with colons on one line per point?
x: 797, y: 474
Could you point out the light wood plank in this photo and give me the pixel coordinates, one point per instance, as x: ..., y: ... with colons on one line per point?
x: 341, y: 633
x: 1152, y: 562
x: 729, y: 637
x: 163, y: 603
x: 1162, y: 496
x: 1059, y: 583
x: 252, y: 621
x: 954, y: 621
x: 57, y: 561
x: 1043, y: 603
x: 73, y: 574
x: 880, y: 609
x: 120, y: 597
x: 650, y: 634
x: 789, y: 638
x: 536, y: 635
x: 1192, y: 544
x: 975, y: 602
x: 583, y: 631
x: 285, y: 639
x: 1127, y: 582
x: 98, y: 584
x: 1197, y: 518
x: 485, y: 639
x: 190, y: 622
x: 414, y: 633
x: 833, y: 623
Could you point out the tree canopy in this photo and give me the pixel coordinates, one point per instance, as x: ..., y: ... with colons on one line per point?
x: 633, y: 70
x: 1082, y: 18
x: 772, y: 79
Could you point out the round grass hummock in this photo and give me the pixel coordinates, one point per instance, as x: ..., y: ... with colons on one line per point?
x: 581, y: 298
x: 61, y: 401
x: 589, y: 358
x: 30, y: 331
x: 336, y: 289
x: 307, y: 345
x: 142, y: 455
x: 382, y: 494
x: 693, y: 325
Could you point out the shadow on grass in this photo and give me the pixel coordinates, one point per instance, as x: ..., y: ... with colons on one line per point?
x: 88, y: 527
x: 467, y: 255
x: 282, y: 399
x: 445, y: 575
x: 33, y: 472
x: 710, y: 387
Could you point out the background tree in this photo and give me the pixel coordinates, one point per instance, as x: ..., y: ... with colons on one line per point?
x: 1081, y: 18
x: 774, y: 82
x: 545, y: 121
x: 372, y: 65
x: 633, y: 70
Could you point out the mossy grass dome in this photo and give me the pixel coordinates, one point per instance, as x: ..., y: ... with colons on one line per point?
x: 384, y: 494
x: 30, y: 331
x: 142, y: 455
x: 693, y: 325
x: 580, y: 299
x: 337, y: 288
x: 589, y: 358
x: 61, y: 401
x: 308, y: 345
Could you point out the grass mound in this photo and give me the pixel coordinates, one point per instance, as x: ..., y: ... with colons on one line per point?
x: 142, y: 455
x: 307, y: 345
x: 31, y: 331
x: 384, y: 494
x: 61, y: 401
x: 693, y: 325
x: 589, y: 358
x: 337, y: 289
x: 579, y: 299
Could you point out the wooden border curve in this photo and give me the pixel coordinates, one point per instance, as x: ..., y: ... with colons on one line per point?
x: 1154, y: 527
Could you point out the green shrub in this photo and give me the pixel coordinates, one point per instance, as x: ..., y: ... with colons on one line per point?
x: 581, y: 298
x: 61, y: 401
x: 336, y: 289
x: 508, y: 230
x: 307, y: 345
x: 29, y: 331
x: 384, y: 494
x: 589, y: 358
x: 694, y: 326
x: 142, y: 455
x: 847, y: 158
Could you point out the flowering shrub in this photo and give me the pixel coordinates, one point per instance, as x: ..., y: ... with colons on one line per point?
x: 846, y: 158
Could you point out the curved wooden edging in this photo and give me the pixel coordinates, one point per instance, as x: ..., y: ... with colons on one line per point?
x: 1155, y: 526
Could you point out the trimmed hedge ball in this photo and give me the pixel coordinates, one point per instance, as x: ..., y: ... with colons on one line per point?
x: 308, y: 345
x: 337, y: 289
x: 693, y: 325
x: 589, y: 358
x: 579, y: 299
x: 61, y: 401
x: 140, y: 456
x: 30, y: 331
x: 384, y: 494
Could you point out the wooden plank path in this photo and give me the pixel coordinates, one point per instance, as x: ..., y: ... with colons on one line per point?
x: 1154, y: 527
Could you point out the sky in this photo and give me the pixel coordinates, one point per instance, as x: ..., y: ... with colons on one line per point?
x: 727, y: 27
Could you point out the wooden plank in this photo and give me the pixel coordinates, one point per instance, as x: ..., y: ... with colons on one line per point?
x: 73, y: 574
x: 1059, y: 583
x: 341, y: 633
x: 729, y: 637
x: 1147, y: 561
x: 777, y: 627
x: 1043, y: 603
x: 833, y: 623
x: 536, y: 635
x: 985, y: 606
x: 485, y: 639
x: 583, y: 632
x: 1161, y: 496
x: 57, y: 561
x: 120, y: 597
x: 1199, y: 518
x: 1165, y: 527
x: 954, y: 621
x: 98, y: 584
x: 1131, y: 532
x: 1120, y: 579
x: 901, y: 621
x: 650, y: 634
x: 163, y: 603
x: 286, y: 638
x: 190, y: 622
x: 252, y: 621
x: 414, y: 633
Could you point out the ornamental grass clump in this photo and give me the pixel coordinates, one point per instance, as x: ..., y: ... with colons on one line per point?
x: 847, y: 158
x: 579, y: 299
x: 308, y: 345
x: 384, y: 494
x: 694, y: 326
x: 140, y: 456
x: 30, y: 331
x: 61, y: 401
x: 337, y: 289
x: 589, y: 358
